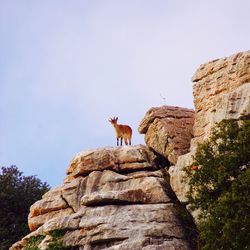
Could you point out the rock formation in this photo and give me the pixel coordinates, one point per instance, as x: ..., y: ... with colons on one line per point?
x: 120, y: 198
x: 168, y: 130
x: 112, y: 198
x: 221, y: 91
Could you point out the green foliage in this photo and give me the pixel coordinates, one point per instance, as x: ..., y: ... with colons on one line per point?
x: 17, y: 194
x: 57, y: 241
x: 220, y: 188
x: 34, y: 242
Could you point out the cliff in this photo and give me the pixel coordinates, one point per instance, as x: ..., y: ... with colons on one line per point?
x: 112, y: 198
x: 221, y: 91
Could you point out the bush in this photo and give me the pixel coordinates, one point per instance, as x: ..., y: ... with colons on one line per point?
x: 57, y: 240
x: 17, y: 194
x: 34, y: 242
x: 219, y: 181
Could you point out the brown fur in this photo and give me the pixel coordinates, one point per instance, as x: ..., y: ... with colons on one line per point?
x: 122, y: 131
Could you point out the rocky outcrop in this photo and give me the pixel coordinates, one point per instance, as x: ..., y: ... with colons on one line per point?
x: 112, y: 198
x: 168, y: 130
x: 120, y: 198
x: 116, y: 159
x: 221, y: 91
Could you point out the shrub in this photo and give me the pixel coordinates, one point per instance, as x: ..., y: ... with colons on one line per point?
x: 220, y: 187
x: 17, y: 194
x: 34, y: 242
x: 57, y: 240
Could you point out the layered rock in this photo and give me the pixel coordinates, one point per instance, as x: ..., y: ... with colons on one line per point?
x: 221, y: 91
x: 112, y: 198
x: 168, y: 130
x: 117, y: 159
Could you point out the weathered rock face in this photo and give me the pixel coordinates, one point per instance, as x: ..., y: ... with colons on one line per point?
x: 178, y: 179
x: 112, y: 198
x: 168, y: 130
x: 221, y: 91
x: 117, y: 159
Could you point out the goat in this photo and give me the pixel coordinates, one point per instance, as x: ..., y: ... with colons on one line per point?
x: 122, y: 131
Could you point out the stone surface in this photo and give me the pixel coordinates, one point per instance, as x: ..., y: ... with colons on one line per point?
x: 52, y: 201
x: 109, y: 186
x: 136, y: 226
x: 221, y: 91
x: 36, y: 221
x: 99, y: 188
x: 117, y: 159
x: 123, y: 204
x: 178, y: 179
x: 168, y: 130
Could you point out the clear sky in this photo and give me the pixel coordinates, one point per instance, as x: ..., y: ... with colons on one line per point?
x: 66, y: 67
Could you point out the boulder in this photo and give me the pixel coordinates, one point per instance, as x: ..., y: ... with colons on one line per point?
x: 168, y: 131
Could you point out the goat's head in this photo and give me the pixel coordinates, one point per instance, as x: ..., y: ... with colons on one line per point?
x: 113, y: 121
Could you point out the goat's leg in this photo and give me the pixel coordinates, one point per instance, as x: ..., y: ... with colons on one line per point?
x: 117, y: 141
x: 121, y: 141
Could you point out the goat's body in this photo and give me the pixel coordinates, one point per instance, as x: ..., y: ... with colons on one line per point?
x: 122, y: 132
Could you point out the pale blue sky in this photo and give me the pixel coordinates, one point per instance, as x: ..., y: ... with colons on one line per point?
x: 67, y: 66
